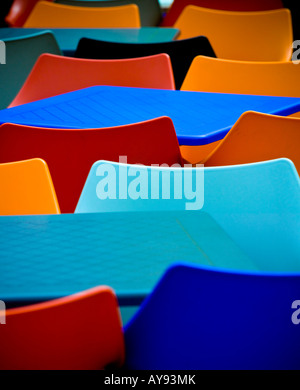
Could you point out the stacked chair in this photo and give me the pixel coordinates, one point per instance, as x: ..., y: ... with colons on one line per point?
x: 235, y: 306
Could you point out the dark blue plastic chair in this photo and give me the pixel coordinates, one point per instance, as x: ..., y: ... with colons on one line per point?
x: 203, y: 318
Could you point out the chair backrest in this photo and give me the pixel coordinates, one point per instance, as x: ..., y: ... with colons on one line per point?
x: 150, y: 12
x: 259, y: 200
x: 178, y: 6
x: 71, y: 153
x: 181, y: 52
x: 19, y: 12
x: 246, y: 36
x: 78, y: 332
x: 27, y: 188
x: 243, y: 77
x: 258, y: 137
x: 200, y: 318
x: 21, y: 55
x: 46, y: 14
x: 53, y: 75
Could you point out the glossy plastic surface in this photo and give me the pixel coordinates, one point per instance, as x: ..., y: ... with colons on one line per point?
x: 245, y: 36
x: 181, y: 52
x: 53, y: 75
x: 27, y: 188
x: 199, y: 118
x: 77, y: 332
x: 257, y: 204
x: 46, y: 14
x: 258, y: 137
x: 21, y: 55
x: 244, y: 77
x: 177, y: 6
x: 150, y: 11
x: 71, y: 153
x: 198, y: 318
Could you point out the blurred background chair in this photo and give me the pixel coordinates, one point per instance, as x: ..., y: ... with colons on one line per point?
x: 46, y: 14
x: 178, y: 327
x: 241, y: 77
x: 258, y: 137
x: 71, y: 153
x: 27, y: 188
x: 19, y: 12
x: 248, y: 36
x: 181, y: 52
x: 257, y: 204
x: 53, y: 75
x: 178, y: 6
x: 150, y: 11
x: 21, y: 55
x: 295, y: 12
x: 68, y: 38
x: 78, y: 332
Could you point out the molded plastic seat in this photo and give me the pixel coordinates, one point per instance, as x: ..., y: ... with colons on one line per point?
x: 27, y: 188
x: 257, y: 204
x: 246, y: 36
x: 177, y: 326
x: 178, y: 6
x: 78, y: 332
x: 46, y: 14
x: 258, y: 137
x: 71, y: 153
x: 150, y: 12
x: 241, y: 77
x: 181, y: 52
x: 279, y: 78
x: 19, y: 12
x: 21, y: 55
x: 54, y: 75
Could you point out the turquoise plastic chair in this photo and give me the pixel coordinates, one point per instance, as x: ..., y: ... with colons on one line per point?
x: 150, y: 12
x: 21, y: 54
x: 200, y: 318
x: 257, y: 204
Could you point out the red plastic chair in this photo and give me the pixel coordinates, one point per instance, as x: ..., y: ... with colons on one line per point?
x: 70, y: 154
x: 54, y: 75
x: 19, y: 12
x: 79, y: 332
x: 230, y: 5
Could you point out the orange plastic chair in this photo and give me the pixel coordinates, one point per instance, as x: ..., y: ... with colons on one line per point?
x: 19, y: 12
x: 248, y: 36
x: 177, y: 7
x: 79, y: 332
x: 258, y: 137
x: 47, y: 15
x: 242, y: 77
x: 53, y: 75
x: 27, y: 188
x: 280, y: 78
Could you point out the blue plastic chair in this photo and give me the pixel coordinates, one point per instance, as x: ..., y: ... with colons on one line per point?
x: 199, y: 318
x: 257, y: 204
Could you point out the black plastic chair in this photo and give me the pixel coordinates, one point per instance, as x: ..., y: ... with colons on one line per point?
x: 181, y: 52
